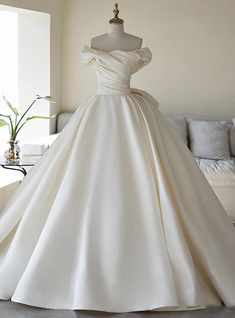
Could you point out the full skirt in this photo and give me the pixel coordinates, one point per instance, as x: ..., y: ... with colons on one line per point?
x: 117, y: 217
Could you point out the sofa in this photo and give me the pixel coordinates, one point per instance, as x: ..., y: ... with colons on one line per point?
x: 210, y: 139
x: 212, y: 143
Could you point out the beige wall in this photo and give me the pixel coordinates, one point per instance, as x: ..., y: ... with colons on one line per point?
x: 55, y: 8
x: 193, y: 46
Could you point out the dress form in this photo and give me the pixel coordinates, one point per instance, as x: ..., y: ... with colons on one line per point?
x: 116, y: 38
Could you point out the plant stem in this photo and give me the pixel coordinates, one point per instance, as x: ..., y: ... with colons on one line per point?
x: 12, y: 129
x: 25, y: 113
x: 17, y: 131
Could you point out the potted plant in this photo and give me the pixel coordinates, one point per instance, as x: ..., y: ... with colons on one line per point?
x: 15, y: 122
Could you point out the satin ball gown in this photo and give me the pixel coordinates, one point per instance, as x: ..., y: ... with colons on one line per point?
x: 117, y: 216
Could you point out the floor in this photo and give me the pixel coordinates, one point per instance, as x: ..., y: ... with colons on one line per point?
x: 13, y: 310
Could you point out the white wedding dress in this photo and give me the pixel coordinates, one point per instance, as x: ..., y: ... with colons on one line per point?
x: 117, y: 216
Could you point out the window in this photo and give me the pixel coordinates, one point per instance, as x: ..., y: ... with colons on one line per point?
x: 25, y: 66
x: 8, y: 61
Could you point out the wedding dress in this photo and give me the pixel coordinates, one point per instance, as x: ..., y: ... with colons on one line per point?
x: 117, y: 216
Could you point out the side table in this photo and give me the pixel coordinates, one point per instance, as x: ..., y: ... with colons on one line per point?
x: 22, y: 165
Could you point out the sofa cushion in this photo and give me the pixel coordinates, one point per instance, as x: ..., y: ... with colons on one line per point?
x: 220, y: 167
x: 180, y: 123
x: 221, y: 176
x: 37, y: 147
x: 209, y: 139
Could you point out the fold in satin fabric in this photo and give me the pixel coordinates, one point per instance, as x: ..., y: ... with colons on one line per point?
x: 112, y: 69
x: 117, y: 216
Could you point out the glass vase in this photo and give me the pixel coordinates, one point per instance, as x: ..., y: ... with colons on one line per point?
x: 12, y: 154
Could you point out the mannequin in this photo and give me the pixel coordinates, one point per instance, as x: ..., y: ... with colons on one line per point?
x: 116, y: 38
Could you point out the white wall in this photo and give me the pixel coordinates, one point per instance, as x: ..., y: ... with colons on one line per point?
x: 55, y: 8
x: 193, y: 46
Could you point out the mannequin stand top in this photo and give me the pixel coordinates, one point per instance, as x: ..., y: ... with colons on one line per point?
x: 116, y: 39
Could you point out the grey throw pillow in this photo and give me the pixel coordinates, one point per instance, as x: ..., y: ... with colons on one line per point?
x: 180, y: 123
x: 209, y: 139
x: 232, y: 138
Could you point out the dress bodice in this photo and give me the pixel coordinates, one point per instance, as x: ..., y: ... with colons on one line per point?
x: 114, y: 69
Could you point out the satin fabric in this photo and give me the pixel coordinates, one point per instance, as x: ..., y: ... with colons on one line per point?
x: 117, y: 216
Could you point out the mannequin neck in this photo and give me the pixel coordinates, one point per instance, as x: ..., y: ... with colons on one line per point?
x: 116, y: 30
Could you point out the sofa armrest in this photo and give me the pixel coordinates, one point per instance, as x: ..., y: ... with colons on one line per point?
x: 62, y: 119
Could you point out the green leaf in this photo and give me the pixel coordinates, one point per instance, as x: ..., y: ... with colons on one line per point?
x: 39, y: 117
x: 14, y: 109
x: 48, y: 98
x: 2, y: 115
x: 3, y: 123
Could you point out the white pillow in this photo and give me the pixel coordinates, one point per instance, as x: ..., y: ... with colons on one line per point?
x: 209, y: 139
x: 180, y: 123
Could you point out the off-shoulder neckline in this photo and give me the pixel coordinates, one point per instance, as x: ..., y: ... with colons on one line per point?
x: 113, y: 51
